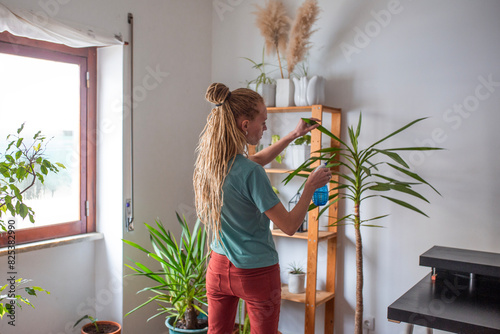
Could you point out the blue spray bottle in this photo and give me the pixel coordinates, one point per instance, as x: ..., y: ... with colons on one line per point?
x: 320, y: 196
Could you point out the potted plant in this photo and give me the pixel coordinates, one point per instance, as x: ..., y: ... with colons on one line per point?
x: 99, y: 327
x: 10, y: 297
x: 274, y: 26
x: 263, y: 84
x: 296, y: 278
x: 364, y: 179
x: 308, y: 91
x: 300, y: 151
x: 179, y: 284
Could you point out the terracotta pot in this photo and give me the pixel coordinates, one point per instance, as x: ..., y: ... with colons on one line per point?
x: 99, y: 323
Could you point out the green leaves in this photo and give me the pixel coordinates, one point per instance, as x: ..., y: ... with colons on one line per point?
x: 5, y: 299
x: 405, y: 205
x: 304, y: 140
x: 360, y: 179
x: 263, y: 77
x: 393, y: 156
x: 180, y: 283
x: 20, y: 128
x: 21, y: 166
x: 23, y: 210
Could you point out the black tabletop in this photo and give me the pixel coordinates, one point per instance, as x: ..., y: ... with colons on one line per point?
x: 450, y: 303
x: 465, y: 260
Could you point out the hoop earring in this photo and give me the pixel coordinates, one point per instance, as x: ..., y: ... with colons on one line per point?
x: 246, y: 134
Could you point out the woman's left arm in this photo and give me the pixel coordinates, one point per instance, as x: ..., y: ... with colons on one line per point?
x: 267, y: 155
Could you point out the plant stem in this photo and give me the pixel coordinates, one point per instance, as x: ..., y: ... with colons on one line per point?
x: 279, y: 61
x: 358, y: 316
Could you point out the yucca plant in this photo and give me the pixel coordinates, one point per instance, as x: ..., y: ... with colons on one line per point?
x: 179, y: 286
x: 361, y: 178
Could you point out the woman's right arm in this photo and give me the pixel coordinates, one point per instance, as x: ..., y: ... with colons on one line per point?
x: 289, y: 222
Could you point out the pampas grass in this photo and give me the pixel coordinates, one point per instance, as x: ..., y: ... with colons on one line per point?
x: 301, y: 31
x: 274, y: 25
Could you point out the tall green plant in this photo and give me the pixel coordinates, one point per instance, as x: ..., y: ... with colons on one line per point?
x: 361, y: 178
x: 180, y: 283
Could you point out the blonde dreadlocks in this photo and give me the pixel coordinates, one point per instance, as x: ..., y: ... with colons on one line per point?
x: 220, y: 141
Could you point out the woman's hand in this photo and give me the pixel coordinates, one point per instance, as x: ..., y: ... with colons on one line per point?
x: 289, y: 222
x: 303, y: 128
x: 319, y: 178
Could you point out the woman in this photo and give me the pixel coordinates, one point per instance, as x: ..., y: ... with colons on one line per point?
x: 234, y: 198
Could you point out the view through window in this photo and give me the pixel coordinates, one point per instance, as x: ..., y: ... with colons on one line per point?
x: 45, y: 95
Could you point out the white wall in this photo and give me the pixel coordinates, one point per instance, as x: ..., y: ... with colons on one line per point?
x: 172, y: 72
x: 425, y: 59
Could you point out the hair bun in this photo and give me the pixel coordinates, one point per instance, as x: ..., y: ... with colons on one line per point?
x: 217, y: 93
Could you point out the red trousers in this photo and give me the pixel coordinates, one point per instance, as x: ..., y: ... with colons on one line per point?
x: 260, y: 288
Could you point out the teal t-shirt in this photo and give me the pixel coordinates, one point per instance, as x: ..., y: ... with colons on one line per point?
x: 245, y: 235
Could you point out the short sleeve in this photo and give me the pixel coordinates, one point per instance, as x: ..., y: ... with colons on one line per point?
x: 260, y: 190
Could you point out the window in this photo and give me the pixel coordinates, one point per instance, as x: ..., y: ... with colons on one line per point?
x: 52, y: 88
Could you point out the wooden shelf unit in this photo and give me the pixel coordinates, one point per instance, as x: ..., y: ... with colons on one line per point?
x: 312, y: 298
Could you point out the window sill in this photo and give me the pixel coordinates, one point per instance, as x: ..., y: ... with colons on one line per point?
x: 34, y: 246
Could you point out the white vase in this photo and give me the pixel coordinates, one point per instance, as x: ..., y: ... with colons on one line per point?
x: 316, y: 90
x: 300, y: 95
x: 284, y: 93
x: 298, y: 154
x: 267, y: 91
x: 296, y: 283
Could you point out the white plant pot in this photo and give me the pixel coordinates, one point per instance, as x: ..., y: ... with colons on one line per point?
x: 284, y: 93
x: 267, y: 91
x: 316, y: 90
x: 296, y: 283
x: 298, y: 154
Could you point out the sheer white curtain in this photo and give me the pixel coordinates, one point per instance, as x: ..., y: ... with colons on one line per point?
x: 40, y: 26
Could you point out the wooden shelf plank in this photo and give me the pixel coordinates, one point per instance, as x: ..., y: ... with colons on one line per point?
x: 277, y: 110
x: 321, y: 296
x: 322, y: 235
x: 282, y: 171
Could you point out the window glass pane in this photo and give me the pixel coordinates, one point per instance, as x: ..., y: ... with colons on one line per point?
x: 46, y: 96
